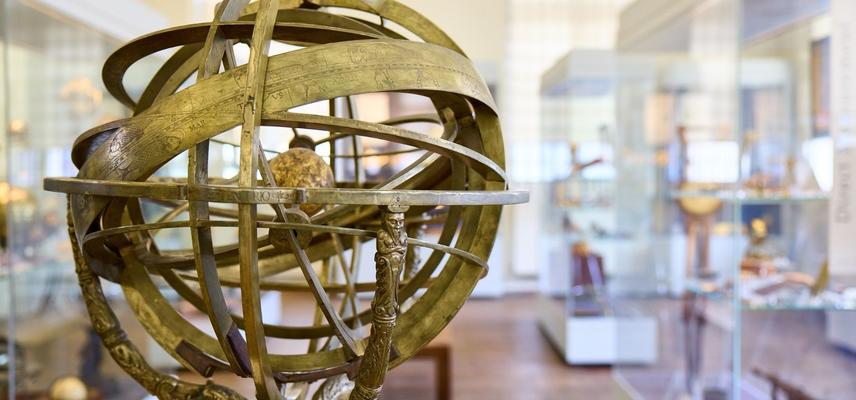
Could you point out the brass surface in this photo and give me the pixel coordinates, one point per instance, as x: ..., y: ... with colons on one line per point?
x: 389, y: 262
x: 699, y: 206
x: 317, y: 214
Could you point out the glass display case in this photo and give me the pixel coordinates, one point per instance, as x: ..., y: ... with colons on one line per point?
x: 52, y: 92
x: 726, y: 133
x: 588, y: 250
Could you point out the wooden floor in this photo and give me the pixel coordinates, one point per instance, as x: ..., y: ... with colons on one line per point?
x: 499, y: 353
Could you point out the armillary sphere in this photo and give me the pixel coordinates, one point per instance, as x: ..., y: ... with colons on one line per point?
x: 289, y: 211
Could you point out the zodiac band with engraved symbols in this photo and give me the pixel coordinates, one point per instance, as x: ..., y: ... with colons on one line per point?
x: 305, y: 211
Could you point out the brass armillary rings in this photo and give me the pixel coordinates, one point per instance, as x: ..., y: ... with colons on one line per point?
x: 278, y: 230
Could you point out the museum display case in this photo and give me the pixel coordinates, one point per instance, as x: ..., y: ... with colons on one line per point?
x: 52, y: 91
x: 725, y: 130
x: 588, y: 250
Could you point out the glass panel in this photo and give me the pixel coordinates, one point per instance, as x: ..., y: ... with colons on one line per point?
x: 794, y: 272
x: 579, y: 229
x: 676, y: 135
x: 786, y: 163
x: 541, y: 32
x: 8, y: 353
x: 758, y: 261
x: 54, y: 94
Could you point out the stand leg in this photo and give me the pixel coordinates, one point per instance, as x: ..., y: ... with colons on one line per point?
x: 389, y: 260
x: 444, y: 374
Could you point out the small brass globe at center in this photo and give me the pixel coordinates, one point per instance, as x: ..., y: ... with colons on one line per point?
x: 299, y: 167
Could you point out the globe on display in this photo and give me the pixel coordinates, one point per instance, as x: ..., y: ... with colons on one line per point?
x: 300, y: 166
x: 307, y: 211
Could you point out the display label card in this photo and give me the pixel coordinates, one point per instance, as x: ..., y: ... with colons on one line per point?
x: 842, y: 207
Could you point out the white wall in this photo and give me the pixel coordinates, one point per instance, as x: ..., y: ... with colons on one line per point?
x: 121, y: 20
x: 478, y: 26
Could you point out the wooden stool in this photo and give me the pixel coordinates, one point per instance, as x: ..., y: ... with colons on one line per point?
x: 440, y: 351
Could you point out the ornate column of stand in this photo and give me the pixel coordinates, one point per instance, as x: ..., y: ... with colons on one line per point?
x: 389, y: 260
x: 125, y: 353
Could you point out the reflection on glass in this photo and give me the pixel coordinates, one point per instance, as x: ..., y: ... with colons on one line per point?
x: 55, y: 93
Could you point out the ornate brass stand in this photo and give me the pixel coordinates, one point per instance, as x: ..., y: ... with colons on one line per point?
x: 391, y: 251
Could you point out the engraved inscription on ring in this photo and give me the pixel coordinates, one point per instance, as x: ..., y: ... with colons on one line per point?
x: 269, y: 196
